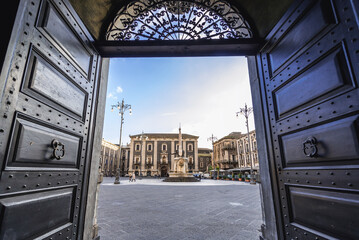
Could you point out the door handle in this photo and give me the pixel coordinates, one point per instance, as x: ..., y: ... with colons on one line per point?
x: 310, y: 147
x: 58, y: 149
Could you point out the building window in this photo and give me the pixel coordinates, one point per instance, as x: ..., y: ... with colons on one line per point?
x: 137, y: 160
x: 149, y: 160
x: 177, y: 147
x: 137, y: 147
x: 149, y: 147
x: 190, y: 147
x: 201, y: 164
x: 164, y: 147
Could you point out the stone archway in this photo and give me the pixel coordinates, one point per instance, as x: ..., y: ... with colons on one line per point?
x: 313, y: 46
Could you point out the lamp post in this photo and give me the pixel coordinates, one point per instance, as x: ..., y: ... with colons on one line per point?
x: 122, y: 107
x: 246, y: 111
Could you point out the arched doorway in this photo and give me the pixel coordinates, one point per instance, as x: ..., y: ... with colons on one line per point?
x: 164, y: 171
x: 305, y: 81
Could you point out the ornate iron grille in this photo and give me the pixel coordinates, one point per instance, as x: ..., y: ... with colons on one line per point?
x: 178, y: 20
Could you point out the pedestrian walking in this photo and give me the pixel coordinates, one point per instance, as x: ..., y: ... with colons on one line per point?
x: 134, y: 177
x: 130, y: 178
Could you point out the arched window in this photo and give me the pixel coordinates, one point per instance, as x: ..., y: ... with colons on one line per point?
x: 149, y: 147
x: 164, y: 147
x: 190, y: 147
x: 178, y: 20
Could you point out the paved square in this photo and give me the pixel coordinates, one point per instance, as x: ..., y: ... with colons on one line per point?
x: 150, y: 209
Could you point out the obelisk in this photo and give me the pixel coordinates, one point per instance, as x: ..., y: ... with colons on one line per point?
x: 180, y: 142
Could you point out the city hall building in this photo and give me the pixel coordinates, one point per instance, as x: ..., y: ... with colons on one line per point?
x: 152, y: 154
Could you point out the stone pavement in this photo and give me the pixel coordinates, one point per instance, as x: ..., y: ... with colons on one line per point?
x: 149, y: 209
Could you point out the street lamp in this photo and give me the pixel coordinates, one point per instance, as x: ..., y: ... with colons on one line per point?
x: 246, y: 111
x: 122, y: 107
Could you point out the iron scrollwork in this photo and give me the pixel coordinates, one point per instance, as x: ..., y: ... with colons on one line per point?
x: 58, y: 149
x: 178, y: 20
x: 310, y: 148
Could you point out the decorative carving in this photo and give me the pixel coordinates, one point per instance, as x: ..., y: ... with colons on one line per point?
x: 178, y: 20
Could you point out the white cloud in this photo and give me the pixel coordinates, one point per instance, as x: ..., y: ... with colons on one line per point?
x: 168, y: 114
x: 119, y: 89
x: 111, y: 96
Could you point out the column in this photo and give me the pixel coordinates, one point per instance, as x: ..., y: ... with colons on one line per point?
x: 103, y: 160
x: 143, y: 155
x: 126, y: 161
x: 172, y: 155
x: 184, y: 148
x: 196, y: 155
x: 155, y: 159
x: 130, y: 161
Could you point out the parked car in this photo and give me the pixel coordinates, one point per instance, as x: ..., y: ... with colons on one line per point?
x: 206, y: 175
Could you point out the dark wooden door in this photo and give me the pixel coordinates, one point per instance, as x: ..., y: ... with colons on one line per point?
x: 310, y: 76
x: 163, y: 171
x: 46, y: 113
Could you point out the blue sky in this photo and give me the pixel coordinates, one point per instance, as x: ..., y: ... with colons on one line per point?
x: 203, y: 94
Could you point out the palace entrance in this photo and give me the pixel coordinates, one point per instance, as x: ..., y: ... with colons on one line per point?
x: 303, y: 63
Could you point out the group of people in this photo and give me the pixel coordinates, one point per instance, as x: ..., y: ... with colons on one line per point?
x: 132, y: 178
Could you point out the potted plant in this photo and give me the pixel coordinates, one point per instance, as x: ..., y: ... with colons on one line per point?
x: 232, y: 176
x: 247, y: 179
x: 217, y: 168
x: 239, y: 177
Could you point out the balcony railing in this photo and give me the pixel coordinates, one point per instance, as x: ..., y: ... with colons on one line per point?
x: 228, y: 147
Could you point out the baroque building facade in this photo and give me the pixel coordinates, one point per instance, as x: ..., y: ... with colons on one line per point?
x: 233, y: 151
x: 152, y: 154
x: 110, y: 158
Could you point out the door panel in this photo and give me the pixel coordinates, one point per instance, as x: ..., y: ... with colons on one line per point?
x: 60, y: 92
x: 46, y: 114
x: 331, y: 218
x: 310, y: 86
x: 32, y: 146
x: 39, y: 213
x: 54, y: 26
x: 327, y: 75
x: 318, y: 12
x: 330, y: 150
